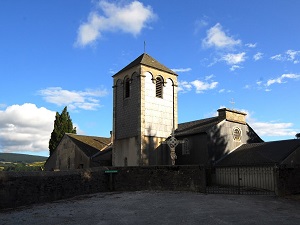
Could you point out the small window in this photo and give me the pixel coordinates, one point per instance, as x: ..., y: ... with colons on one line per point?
x: 69, y: 163
x: 185, y: 147
x: 237, y: 134
x: 159, y: 87
x: 127, y: 88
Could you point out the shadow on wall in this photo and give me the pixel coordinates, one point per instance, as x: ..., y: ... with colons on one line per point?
x: 153, y: 151
x: 217, y: 145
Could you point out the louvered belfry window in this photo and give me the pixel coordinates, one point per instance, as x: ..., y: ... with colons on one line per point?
x: 159, y: 87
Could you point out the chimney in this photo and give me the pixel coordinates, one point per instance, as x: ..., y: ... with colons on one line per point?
x: 232, y: 115
x: 111, y: 136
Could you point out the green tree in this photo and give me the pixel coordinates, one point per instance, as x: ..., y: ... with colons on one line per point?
x: 62, y: 124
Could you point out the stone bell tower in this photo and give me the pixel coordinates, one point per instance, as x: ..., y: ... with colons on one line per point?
x: 144, y: 112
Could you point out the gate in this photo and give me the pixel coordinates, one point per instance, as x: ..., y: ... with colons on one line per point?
x: 241, y: 180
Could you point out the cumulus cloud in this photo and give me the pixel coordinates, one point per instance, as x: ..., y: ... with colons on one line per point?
x: 272, y: 129
x: 87, y: 100
x: 184, y: 86
x: 182, y: 70
x: 258, y: 56
x: 128, y: 18
x: 203, y: 86
x: 198, y: 85
x: 290, y: 55
x: 282, y: 79
x: 25, y: 128
x: 217, y: 38
x: 234, y: 60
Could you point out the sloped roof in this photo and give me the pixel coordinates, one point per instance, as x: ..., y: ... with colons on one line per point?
x: 197, y: 126
x: 90, y: 145
x: 146, y: 60
x: 265, y: 153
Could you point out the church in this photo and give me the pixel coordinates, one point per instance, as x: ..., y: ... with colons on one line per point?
x: 146, y: 131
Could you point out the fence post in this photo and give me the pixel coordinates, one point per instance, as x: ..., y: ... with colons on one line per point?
x: 239, y: 180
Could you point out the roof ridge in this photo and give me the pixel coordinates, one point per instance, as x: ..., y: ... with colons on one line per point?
x: 147, y: 60
x: 209, y: 118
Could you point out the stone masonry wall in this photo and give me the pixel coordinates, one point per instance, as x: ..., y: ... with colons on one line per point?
x: 25, y: 188
x: 288, y: 180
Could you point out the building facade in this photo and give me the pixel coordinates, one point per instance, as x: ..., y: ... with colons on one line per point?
x: 208, y: 140
x: 144, y: 112
x: 80, y: 152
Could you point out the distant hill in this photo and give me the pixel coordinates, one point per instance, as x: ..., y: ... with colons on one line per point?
x: 21, y: 158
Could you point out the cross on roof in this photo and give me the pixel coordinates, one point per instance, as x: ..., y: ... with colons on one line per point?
x: 232, y: 102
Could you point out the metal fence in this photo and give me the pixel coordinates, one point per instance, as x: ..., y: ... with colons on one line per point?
x: 241, y: 180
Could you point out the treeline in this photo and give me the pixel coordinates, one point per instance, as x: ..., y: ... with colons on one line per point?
x: 17, y: 167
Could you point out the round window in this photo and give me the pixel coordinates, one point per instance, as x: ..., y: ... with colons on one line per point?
x: 237, y: 133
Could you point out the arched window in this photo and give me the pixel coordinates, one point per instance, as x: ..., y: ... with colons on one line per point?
x: 159, y: 87
x: 127, y: 88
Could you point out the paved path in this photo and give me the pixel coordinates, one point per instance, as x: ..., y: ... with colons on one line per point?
x: 147, y: 207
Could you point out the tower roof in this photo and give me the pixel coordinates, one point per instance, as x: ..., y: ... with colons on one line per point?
x: 146, y: 60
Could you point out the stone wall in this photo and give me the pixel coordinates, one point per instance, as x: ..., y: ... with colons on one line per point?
x: 288, y: 180
x: 25, y: 188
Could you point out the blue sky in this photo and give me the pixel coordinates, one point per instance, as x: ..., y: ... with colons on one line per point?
x: 63, y: 53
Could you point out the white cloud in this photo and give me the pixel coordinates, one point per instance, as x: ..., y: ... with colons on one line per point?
x: 182, y: 70
x: 273, y: 129
x: 209, y: 77
x: 277, y: 57
x: 232, y: 59
x: 234, y: 67
x: 225, y: 91
x: 199, y: 24
x: 184, y: 86
x: 290, y: 55
x: 25, y: 128
x: 217, y: 38
x: 203, y: 86
x: 200, y: 86
x: 282, y: 79
x: 269, y: 129
x: 86, y: 100
x: 258, y: 56
x: 251, y: 45
x: 130, y: 18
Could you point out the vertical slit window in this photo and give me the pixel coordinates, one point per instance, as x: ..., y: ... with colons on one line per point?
x: 127, y: 88
x: 159, y: 87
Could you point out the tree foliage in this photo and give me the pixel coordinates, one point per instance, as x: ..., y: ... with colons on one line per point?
x: 62, y: 124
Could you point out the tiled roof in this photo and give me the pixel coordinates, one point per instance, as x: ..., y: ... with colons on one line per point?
x: 146, y: 60
x: 265, y: 153
x: 90, y: 145
x: 195, y: 127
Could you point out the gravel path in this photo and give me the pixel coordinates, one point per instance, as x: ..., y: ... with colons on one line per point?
x: 149, y: 207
